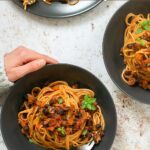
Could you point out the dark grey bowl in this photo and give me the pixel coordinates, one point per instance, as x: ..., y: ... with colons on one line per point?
x: 112, y: 43
x: 12, y: 136
x: 60, y: 10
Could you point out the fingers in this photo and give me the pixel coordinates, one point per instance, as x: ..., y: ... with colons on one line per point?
x: 22, y: 61
x: 18, y: 72
x: 50, y: 60
x: 28, y: 55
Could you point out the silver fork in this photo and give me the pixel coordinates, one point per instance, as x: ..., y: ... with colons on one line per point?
x: 88, y: 146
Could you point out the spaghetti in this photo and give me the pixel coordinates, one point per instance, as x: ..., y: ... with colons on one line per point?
x: 59, y: 116
x: 136, y: 51
x: 31, y: 2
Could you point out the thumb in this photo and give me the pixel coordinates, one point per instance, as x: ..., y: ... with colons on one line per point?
x: 18, y: 72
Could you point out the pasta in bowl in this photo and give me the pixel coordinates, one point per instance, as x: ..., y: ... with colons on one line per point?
x: 136, y: 51
x: 127, y: 57
x: 55, y: 108
x: 59, y: 116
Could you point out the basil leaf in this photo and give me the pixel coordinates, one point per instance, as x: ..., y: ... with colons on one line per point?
x: 88, y: 103
x: 83, y: 106
x: 61, y: 130
x: 60, y: 100
x: 147, y: 22
x: 85, y: 132
x: 86, y: 97
x: 89, y: 106
x: 147, y: 27
x: 93, y: 107
x: 93, y: 100
x: 139, y: 30
x: 140, y: 41
x: 30, y: 140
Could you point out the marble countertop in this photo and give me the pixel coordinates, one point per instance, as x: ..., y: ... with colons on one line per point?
x: 78, y: 41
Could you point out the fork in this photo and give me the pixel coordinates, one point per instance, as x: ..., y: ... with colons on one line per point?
x: 88, y: 146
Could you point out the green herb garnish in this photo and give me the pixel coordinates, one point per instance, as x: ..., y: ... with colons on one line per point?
x: 61, y: 130
x: 31, y: 141
x: 139, y: 30
x: 147, y: 28
x: 60, y: 100
x: 88, y: 103
x: 140, y: 41
x: 145, y: 25
x: 85, y: 132
x: 146, y: 22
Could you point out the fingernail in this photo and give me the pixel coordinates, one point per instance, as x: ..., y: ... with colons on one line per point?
x: 54, y: 61
x: 41, y: 62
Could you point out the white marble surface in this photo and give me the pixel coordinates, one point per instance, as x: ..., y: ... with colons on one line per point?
x: 78, y: 41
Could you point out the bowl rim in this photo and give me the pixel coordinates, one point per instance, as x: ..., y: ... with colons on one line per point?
x: 61, y: 64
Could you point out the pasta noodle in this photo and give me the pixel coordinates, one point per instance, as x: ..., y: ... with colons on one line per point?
x: 30, y: 2
x: 136, y: 51
x: 59, y: 116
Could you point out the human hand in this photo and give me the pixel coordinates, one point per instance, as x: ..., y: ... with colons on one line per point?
x: 22, y: 61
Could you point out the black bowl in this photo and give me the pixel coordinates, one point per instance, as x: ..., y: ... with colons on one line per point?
x: 11, y: 132
x: 59, y: 10
x: 112, y: 43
